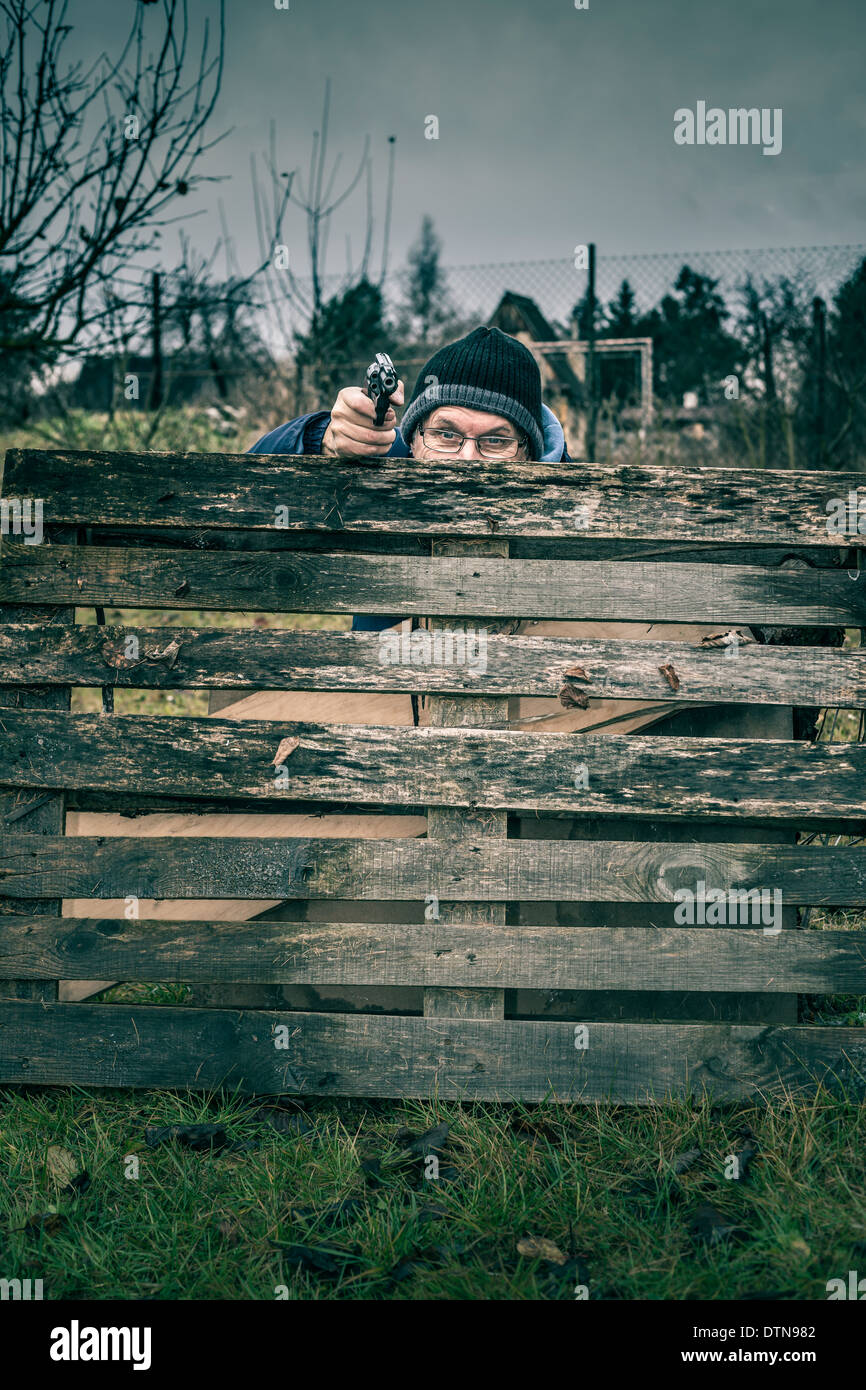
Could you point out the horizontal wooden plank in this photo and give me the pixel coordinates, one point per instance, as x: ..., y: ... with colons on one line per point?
x: 582, y: 547
x: 401, y: 585
x: 434, y: 954
x: 381, y: 1055
x: 75, y: 866
x: 175, y: 658
x: 440, y: 498
x: 498, y: 769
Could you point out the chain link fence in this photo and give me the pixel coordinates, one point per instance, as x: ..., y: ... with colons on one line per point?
x: 755, y: 360
x: 743, y: 356
x: 557, y: 286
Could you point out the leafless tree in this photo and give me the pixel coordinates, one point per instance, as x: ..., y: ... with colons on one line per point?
x: 212, y: 317
x: 92, y: 161
x: 294, y: 298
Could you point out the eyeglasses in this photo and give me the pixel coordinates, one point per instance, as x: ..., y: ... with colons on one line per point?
x: 490, y: 446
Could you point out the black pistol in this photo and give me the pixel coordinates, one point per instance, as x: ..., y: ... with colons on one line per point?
x: 381, y: 384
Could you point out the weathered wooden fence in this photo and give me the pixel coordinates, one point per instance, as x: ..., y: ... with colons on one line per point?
x: 649, y: 817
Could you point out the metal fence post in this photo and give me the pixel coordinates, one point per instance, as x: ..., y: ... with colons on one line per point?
x: 591, y: 391
x: 819, y: 380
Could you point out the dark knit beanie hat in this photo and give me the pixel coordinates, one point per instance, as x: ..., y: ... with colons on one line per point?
x: 486, y: 370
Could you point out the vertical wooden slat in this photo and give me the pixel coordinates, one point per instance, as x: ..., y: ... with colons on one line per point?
x: 34, y: 812
x: 467, y: 711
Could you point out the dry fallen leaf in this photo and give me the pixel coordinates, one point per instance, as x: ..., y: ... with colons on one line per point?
x: 670, y: 675
x: 210, y: 1137
x: 287, y: 746
x: 576, y: 673
x: 432, y: 1141
x: 283, y: 1121
x: 169, y: 652
x: 573, y: 699
x: 684, y: 1161
x: 537, y: 1248
x: 327, y: 1262
x: 42, y: 1221
x: 746, y: 1154
x: 61, y: 1164
x: 723, y: 639
x: 709, y: 1226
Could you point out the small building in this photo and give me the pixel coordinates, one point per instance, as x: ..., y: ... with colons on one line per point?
x: 561, y: 377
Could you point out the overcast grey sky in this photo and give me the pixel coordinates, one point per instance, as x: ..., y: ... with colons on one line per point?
x: 555, y: 124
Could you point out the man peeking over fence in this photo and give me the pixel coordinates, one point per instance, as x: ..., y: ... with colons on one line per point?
x: 478, y: 398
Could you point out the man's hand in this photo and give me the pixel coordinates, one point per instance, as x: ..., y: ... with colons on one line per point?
x: 352, y: 432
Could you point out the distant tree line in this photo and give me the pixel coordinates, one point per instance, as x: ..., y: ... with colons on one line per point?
x: 797, y: 363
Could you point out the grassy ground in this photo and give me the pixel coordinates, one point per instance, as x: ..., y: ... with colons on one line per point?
x: 173, y: 429
x: 286, y: 1202
x: 298, y: 1210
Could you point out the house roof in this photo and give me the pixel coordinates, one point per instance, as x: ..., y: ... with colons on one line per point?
x: 517, y: 313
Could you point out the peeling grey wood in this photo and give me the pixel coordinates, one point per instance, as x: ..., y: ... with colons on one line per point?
x: 444, y: 954
x: 173, y: 658
x: 458, y: 587
x: 472, y: 867
x: 466, y: 767
x: 440, y: 499
x: 455, y: 1058
x: 407, y: 870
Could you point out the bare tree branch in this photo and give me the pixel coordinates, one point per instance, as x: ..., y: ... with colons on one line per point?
x: 83, y: 195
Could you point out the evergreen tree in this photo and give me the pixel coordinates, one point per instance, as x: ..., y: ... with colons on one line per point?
x: 426, y: 285
x: 845, y: 423
x: 692, y: 349
x: 582, y: 319
x: 622, y: 317
x: 343, y: 338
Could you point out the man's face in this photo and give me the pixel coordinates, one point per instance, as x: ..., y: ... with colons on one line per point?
x: 452, y: 431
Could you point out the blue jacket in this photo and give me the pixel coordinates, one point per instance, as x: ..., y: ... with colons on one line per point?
x: 305, y: 435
